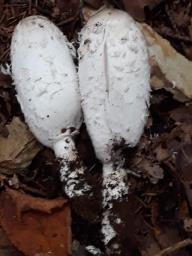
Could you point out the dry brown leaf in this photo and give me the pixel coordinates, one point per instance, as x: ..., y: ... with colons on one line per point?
x: 170, y: 69
x: 182, y: 115
x: 36, y: 226
x: 24, y: 202
x: 161, y: 153
x: 18, y: 149
x: 136, y: 7
x: 152, y: 170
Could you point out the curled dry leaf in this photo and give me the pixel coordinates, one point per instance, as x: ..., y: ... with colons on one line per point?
x: 170, y: 69
x: 18, y: 149
x: 36, y: 226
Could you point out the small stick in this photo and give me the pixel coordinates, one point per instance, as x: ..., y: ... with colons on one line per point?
x: 175, y: 247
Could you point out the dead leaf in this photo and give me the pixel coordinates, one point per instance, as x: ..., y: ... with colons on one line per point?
x: 170, y: 69
x: 36, y: 226
x: 136, y: 8
x: 161, y: 153
x: 182, y: 115
x: 18, y: 149
x: 152, y: 170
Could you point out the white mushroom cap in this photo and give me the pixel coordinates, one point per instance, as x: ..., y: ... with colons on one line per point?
x: 45, y: 79
x: 114, y: 79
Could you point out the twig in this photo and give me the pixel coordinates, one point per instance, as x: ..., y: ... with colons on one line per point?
x: 175, y: 247
x: 63, y: 22
x: 2, y: 18
x: 4, y: 54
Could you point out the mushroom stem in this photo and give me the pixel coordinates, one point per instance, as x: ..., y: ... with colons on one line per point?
x: 115, y: 192
x: 71, y: 169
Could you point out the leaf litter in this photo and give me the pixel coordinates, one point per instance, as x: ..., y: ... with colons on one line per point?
x: 158, y: 214
x: 18, y: 148
x: 39, y: 231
